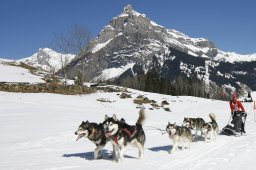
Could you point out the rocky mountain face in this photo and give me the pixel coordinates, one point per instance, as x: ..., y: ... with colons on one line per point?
x: 48, y: 60
x: 133, y: 45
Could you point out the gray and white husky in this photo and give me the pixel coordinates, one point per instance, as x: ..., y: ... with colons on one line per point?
x: 121, y: 134
x: 95, y: 133
x: 179, y: 135
x: 210, y: 130
x: 195, y: 124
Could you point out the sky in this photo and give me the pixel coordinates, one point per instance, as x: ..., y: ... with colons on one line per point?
x: 27, y: 25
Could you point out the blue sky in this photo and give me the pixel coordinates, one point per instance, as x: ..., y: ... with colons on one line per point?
x: 27, y: 25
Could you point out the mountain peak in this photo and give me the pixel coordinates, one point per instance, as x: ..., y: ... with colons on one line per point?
x: 129, y: 11
x: 128, y: 8
x: 47, y: 59
x: 132, y: 44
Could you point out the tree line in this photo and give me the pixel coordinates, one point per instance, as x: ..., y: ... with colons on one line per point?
x: 179, y: 86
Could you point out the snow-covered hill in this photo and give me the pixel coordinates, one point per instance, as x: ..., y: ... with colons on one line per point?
x: 48, y: 59
x: 38, y: 133
x: 15, y: 73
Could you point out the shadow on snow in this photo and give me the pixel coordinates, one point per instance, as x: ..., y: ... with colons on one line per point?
x: 90, y: 155
x: 161, y: 148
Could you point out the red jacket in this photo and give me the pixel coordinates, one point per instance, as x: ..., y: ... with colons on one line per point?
x: 236, y: 106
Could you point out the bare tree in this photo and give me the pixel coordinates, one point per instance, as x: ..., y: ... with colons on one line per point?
x: 74, y: 41
x: 78, y: 38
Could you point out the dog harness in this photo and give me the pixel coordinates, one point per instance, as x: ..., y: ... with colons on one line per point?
x: 116, y: 140
x: 127, y: 132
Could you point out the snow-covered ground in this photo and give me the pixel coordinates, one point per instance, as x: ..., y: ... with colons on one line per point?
x: 37, y: 132
x: 10, y: 73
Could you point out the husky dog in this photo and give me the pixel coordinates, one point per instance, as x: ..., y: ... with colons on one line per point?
x: 178, y: 135
x: 95, y: 133
x: 121, y: 134
x: 194, y: 123
x: 210, y: 129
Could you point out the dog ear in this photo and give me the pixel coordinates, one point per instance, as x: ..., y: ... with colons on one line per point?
x: 106, y: 117
x: 114, y: 117
x: 174, y: 124
x: 169, y: 123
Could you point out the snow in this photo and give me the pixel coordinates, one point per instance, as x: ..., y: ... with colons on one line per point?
x: 123, y: 15
x: 155, y: 24
x: 17, y: 74
x: 110, y: 73
x: 207, y: 74
x: 194, y: 49
x: 220, y: 74
x: 185, y: 69
x: 234, y: 57
x: 239, y: 72
x: 47, y: 59
x: 2, y: 60
x: 192, y: 53
x: 38, y: 133
x: 228, y: 86
x: 100, y: 46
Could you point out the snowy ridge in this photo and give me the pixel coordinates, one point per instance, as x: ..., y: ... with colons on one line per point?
x: 196, y: 45
x: 234, y: 57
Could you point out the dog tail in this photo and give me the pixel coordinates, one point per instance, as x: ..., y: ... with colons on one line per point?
x: 142, y: 117
x: 212, y: 117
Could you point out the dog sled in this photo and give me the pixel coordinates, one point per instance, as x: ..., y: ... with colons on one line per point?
x: 236, y: 126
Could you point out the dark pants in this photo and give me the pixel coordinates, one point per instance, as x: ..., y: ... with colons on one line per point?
x: 237, y: 121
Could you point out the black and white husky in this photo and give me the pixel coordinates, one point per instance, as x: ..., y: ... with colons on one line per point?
x: 195, y: 124
x: 121, y: 134
x: 210, y: 130
x: 95, y: 133
x: 179, y: 135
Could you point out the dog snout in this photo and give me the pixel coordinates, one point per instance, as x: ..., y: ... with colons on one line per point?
x: 107, y: 129
x: 75, y: 133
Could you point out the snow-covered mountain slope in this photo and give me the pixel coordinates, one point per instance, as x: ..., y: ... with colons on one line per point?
x: 234, y: 57
x: 48, y: 59
x: 14, y: 73
x: 158, y: 37
x: 132, y: 40
x: 38, y: 133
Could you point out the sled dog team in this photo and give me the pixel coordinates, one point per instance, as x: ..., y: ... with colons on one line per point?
x: 120, y: 134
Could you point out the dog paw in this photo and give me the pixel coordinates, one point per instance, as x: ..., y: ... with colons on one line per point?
x: 141, y: 157
x: 111, y: 157
x: 171, y: 151
x: 116, y: 160
x: 100, y: 157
